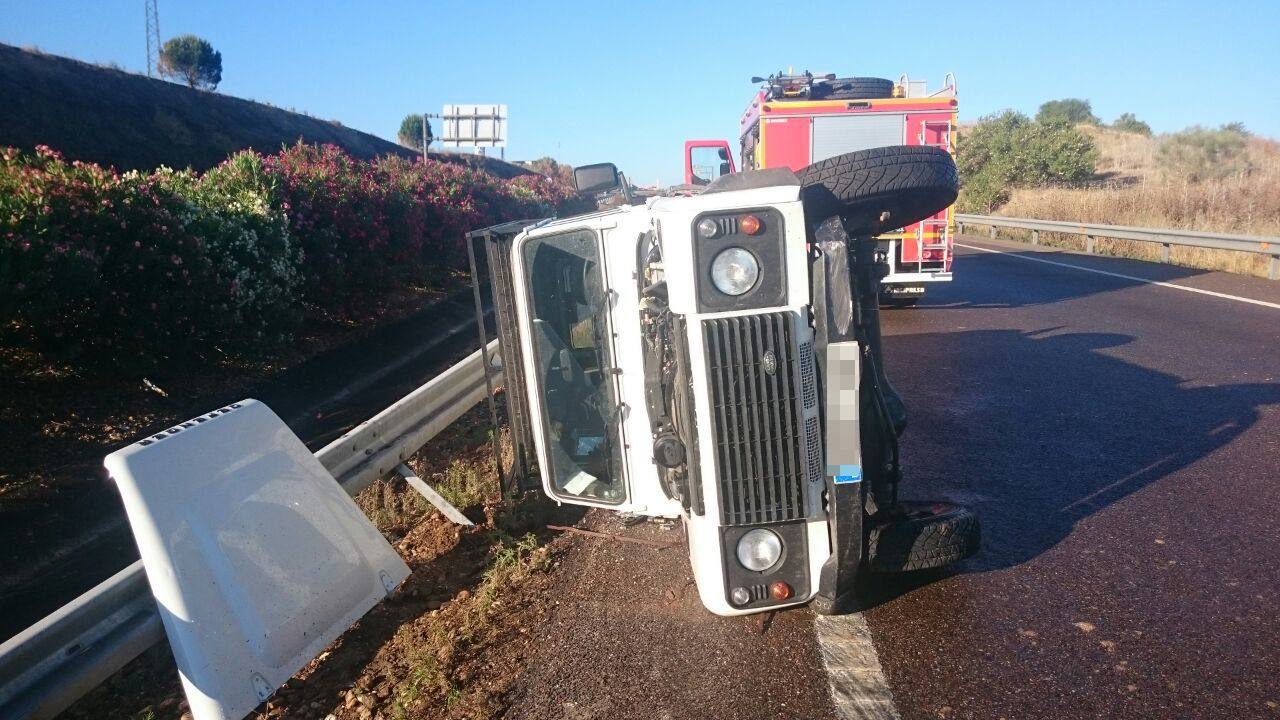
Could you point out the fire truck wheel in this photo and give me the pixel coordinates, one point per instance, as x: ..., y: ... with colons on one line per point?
x: 928, y: 535
x: 859, y: 88
x: 880, y: 189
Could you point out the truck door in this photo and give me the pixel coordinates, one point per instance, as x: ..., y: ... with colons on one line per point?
x: 574, y: 404
x: 706, y: 160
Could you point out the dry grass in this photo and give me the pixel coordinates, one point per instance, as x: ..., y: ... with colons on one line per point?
x: 1247, y: 203
x: 1122, y: 154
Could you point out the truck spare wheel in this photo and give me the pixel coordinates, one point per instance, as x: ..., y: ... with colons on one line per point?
x: 855, y: 88
x: 881, y: 189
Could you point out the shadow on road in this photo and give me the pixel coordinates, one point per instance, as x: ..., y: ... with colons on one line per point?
x: 1037, y: 431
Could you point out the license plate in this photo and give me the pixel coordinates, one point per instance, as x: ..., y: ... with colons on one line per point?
x: 904, y: 289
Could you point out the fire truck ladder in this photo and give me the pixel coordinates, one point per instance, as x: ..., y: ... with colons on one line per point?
x: 935, y: 249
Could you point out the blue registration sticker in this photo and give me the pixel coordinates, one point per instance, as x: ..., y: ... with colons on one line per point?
x: 846, y: 474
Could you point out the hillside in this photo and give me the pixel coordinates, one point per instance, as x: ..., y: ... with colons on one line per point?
x: 129, y: 121
x: 1134, y: 188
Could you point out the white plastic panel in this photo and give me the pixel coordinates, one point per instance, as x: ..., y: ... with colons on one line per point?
x: 256, y: 556
x: 839, y: 134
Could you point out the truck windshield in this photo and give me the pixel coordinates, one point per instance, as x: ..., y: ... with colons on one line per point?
x: 568, y: 306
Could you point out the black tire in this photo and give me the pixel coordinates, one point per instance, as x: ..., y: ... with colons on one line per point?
x: 856, y: 88
x: 929, y: 535
x: 910, y: 183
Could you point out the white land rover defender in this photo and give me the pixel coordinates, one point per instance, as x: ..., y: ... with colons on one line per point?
x: 716, y: 358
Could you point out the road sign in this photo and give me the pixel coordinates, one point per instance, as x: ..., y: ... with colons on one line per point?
x: 477, y: 126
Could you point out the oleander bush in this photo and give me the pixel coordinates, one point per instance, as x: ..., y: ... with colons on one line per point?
x: 128, y: 270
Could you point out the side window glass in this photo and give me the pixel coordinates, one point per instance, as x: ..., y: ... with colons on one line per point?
x: 568, y: 307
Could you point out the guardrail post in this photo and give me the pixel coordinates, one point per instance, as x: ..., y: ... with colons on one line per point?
x: 1274, y: 272
x: 960, y: 228
x: 1164, y: 252
x: 1035, y: 237
x: 993, y: 231
x: 1088, y: 244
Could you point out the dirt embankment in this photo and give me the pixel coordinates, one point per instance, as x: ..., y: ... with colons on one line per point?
x: 111, y: 117
x: 509, y: 619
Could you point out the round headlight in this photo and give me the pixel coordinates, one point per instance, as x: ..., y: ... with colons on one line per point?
x: 759, y: 549
x: 735, y: 271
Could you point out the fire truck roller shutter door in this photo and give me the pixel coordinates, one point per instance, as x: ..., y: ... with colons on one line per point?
x: 839, y: 134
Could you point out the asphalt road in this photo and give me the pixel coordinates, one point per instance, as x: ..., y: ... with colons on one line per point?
x: 1121, y: 443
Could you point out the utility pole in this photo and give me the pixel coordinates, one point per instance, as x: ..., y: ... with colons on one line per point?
x: 153, y: 36
x: 425, y: 139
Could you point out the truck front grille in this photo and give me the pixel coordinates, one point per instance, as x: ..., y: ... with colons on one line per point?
x: 755, y: 417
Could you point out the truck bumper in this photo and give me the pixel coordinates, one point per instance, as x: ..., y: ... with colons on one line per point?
x: 844, y: 482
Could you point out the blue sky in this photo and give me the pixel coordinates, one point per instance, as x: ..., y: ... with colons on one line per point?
x: 629, y: 82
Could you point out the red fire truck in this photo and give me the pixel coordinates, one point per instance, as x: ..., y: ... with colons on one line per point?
x: 796, y: 120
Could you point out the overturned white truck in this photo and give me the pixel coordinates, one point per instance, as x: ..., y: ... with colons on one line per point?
x: 717, y: 358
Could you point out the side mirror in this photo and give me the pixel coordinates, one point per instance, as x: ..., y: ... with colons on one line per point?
x: 591, y: 179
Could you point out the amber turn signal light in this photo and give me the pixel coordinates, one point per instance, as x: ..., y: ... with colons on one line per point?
x: 780, y: 591
x: 750, y: 224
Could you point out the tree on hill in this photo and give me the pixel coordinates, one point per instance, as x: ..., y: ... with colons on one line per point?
x: 192, y: 60
x: 1067, y: 110
x: 549, y: 167
x: 410, y: 134
x: 1130, y: 124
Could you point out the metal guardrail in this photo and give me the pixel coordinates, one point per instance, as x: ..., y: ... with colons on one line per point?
x: 1257, y: 244
x: 50, y: 665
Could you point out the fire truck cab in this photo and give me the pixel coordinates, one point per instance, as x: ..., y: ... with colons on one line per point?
x: 797, y: 120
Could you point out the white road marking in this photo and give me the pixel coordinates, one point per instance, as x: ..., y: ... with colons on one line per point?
x: 858, y: 686
x: 1210, y: 293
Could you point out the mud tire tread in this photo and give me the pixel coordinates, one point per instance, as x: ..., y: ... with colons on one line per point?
x: 910, y: 182
x: 948, y: 534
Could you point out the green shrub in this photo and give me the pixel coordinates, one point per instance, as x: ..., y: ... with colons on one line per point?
x: 1009, y: 150
x: 1199, y: 153
x: 1127, y: 122
x: 1070, y: 111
